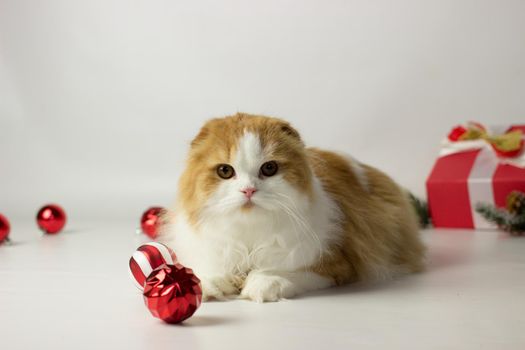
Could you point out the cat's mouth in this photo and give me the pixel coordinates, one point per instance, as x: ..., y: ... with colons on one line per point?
x: 248, y: 205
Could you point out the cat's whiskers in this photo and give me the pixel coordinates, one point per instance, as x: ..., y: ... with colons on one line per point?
x: 296, y: 218
x: 295, y: 230
x: 211, y: 212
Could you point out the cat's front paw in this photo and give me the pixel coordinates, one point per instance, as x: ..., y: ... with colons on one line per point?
x: 218, y: 288
x: 261, y: 287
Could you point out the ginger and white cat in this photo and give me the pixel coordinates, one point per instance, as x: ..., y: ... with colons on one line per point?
x: 261, y: 216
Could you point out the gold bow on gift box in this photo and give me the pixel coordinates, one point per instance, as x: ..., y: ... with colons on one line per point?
x: 509, y: 144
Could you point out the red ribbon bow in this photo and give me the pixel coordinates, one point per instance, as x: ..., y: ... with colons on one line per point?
x: 507, y: 145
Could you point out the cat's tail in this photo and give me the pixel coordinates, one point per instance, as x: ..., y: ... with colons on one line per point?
x: 421, y: 208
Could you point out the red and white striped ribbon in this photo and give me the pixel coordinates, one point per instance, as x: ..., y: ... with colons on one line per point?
x: 147, y: 258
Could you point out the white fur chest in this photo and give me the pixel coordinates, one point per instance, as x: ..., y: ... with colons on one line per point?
x: 286, y: 240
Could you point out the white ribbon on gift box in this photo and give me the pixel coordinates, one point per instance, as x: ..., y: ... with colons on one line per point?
x: 480, y: 177
x: 479, y: 183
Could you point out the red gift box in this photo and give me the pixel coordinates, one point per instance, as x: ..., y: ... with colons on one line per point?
x: 468, y: 173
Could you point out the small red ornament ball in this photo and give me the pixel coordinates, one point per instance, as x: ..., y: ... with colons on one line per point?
x: 4, y: 228
x: 172, y: 293
x: 151, y: 221
x: 51, y: 218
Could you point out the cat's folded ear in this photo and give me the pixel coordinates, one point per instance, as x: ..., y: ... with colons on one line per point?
x: 287, y: 129
x: 203, y: 133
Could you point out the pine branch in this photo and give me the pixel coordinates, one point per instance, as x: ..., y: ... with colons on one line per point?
x: 514, y: 224
x: 421, y: 208
x: 498, y: 216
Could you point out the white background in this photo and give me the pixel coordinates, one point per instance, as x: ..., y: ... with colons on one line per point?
x: 99, y: 99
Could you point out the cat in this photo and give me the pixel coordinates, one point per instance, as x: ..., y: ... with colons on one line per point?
x: 259, y: 216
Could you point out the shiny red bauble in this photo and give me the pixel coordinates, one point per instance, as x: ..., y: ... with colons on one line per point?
x: 4, y: 229
x: 151, y: 221
x: 172, y: 293
x: 51, y: 218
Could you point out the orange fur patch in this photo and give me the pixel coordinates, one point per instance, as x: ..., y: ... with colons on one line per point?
x: 380, y: 226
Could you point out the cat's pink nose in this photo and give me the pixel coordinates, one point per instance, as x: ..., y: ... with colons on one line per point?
x: 249, y: 191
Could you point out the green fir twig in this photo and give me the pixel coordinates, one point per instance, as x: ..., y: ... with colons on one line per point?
x: 421, y: 208
x: 514, y: 224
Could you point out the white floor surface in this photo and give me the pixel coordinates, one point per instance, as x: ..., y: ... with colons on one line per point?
x: 73, y: 291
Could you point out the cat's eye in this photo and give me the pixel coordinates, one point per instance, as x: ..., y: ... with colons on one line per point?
x: 269, y: 168
x: 225, y: 171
